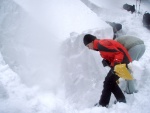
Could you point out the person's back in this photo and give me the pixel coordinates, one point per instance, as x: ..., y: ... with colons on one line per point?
x: 113, y: 46
x: 134, y: 45
x: 136, y: 49
x: 129, y: 41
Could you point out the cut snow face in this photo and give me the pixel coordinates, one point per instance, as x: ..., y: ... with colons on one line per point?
x: 83, y: 68
x: 28, y: 48
x: 31, y: 39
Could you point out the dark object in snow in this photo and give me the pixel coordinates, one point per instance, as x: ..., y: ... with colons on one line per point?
x: 88, y: 39
x: 97, y: 105
x: 129, y: 7
x: 116, y: 27
x: 146, y: 20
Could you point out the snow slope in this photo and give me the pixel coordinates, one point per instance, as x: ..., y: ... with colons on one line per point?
x: 44, y: 66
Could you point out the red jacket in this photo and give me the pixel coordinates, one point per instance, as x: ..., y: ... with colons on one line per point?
x: 112, y: 51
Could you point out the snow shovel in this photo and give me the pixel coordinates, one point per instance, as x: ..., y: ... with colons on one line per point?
x: 122, y: 71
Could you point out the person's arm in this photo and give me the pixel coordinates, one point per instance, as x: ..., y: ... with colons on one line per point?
x: 117, y: 58
x: 110, y: 52
x: 105, y: 62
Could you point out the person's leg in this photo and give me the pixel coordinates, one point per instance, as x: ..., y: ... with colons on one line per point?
x: 130, y: 87
x: 106, y: 92
x: 136, y: 53
x: 115, y: 89
x: 110, y: 85
x: 141, y: 51
x: 118, y: 93
x: 105, y: 97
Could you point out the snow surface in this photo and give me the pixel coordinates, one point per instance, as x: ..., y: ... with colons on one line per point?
x: 44, y: 66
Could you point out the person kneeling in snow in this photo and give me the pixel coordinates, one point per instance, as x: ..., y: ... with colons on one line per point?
x: 136, y: 49
x: 113, y: 53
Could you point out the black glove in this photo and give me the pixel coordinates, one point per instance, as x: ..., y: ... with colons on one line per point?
x: 112, y: 68
x: 105, y: 63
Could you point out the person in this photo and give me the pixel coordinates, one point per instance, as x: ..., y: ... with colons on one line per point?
x: 113, y: 53
x: 136, y: 49
x: 116, y: 27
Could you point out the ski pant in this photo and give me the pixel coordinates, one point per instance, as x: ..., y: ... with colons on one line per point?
x: 136, y: 53
x: 110, y: 86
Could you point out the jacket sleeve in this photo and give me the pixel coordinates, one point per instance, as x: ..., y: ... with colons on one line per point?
x: 118, y: 57
x: 110, y: 52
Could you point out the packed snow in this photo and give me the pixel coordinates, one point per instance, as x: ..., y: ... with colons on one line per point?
x: 44, y: 66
